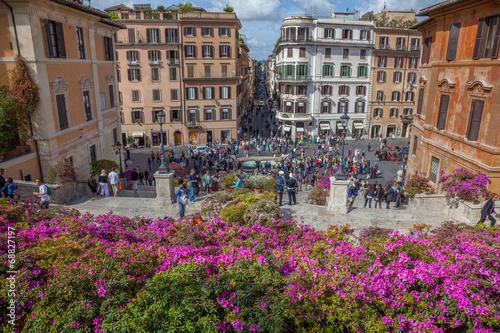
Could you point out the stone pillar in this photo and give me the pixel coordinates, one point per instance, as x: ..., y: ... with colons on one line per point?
x: 337, y: 200
x: 165, y: 191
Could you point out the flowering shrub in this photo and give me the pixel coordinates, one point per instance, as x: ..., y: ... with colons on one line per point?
x: 61, y: 173
x: 128, y: 174
x: 417, y: 184
x: 227, y: 179
x: 179, y: 170
x: 256, y: 181
x: 317, y: 196
x: 109, y: 273
x: 464, y: 184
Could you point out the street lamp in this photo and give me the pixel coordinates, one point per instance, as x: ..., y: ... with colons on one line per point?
x: 340, y: 171
x: 119, y: 146
x: 161, y: 119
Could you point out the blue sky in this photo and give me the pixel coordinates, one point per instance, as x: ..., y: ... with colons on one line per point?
x: 261, y: 19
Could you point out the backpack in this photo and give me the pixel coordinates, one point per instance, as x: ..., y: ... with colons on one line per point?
x: 49, y: 192
x: 184, y: 199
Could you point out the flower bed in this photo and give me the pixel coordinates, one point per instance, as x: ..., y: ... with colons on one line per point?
x: 112, y: 274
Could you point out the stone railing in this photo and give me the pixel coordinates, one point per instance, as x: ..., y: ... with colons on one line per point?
x: 462, y: 211
x: 61, y: 194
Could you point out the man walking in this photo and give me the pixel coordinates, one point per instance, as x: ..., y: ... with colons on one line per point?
x: 114, y: 181
x: 43, y: 193
x: 291, y: 184
x: 192, y: 185
x: 134, y: 177
x: 280, y: 184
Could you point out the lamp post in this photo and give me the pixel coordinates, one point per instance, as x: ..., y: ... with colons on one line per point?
x: 119, y: 146
x: 340, y: 171
x: 161, y: 119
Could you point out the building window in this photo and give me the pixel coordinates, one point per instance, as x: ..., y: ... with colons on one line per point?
x: 415, y: 44
x: 346, y: 33
x: 174, y: 94
x: 398, y: 62
x: 327, y: 70
x: 328, y: 53
x: 189, y: 31
x: 380, y: 95
x: 55, y: 39
x: 345, y: 71
x: 191, y: 93
x: 153, y: 35
x: 302, y: 71
x: 303, y: 33
x: 301, y: 90
x: 224, y: 51
x: 136, y: 97
x: 434, y: 169
x: 381, y: 76
x: 362, y: 54
x: 377, y: 113
x: 206, y: 31
x: 192, y: 115
x: 155, y: 74
x: 224, y: 32
x: 345, y: 54
x: 443, y: 110
x: 62, y: 111
x: 420, y: 100
x: 172, y: 57
x: 190, y: 70
x: 415, y: 144
x: 394, y: 113
x: 360, y: 107
x: 476, y: 113
x: 224, y: 114
x: 171, y: 36
x: 80, y: 42
x: 132, y: 57
x: 289, y: 52
x: 103, y: 100
x: 487, y: 38
x: 155, y: 115
x: 111, y: 90
x: 302, y: 52
x: 364, y: 35
x: 207, y: 92
x: 208, y: 114
x: 118, y: 75
x: 131, y: 35
x: 400, y: 43
x: 136, y: 116
x: 362, y: 71
x: 382, y: 61
x: 288, y: 89
x: 207, y: 51
x: 361, y: 90
x: 190, y: 51
x: 156, y: 95
x: 173, y: 74
x: 413, y: 62
x: 154, y: 57
x: 344, y: 90
x: 412, y: 77
x: 92, y: 154
x: 407, y: 111
x: 301, y: 108
x: 289, y: 70
x: 174, y: 115
x: 134, y: 74
x: 87, y: 105
x: 326, y: 90
x: 325, y: 107
x: 225, y: 135
x: 383, y: 42
x: 288, y: 107
x: 109, y: 54
x: 328, y: 33
x: 343, y: 107
x: 225, y: 92
x: 395, y: 96
x: 409, y: 96
x: 208, y: 70
x: 397, y: 77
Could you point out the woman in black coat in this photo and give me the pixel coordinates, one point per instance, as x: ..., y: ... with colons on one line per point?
x: 488, y: 210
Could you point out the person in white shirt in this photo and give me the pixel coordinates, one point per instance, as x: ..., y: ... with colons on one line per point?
x: 114, y: 181
x: 42, y: 193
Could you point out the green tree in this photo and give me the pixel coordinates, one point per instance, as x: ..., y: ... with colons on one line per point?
x: 228, y: 9
x: 185, y: 7
x: 113, y: 16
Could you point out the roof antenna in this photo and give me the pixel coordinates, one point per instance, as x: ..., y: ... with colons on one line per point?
x: 385, y: 7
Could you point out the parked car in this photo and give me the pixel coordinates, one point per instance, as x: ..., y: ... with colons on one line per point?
x: 200, y: 150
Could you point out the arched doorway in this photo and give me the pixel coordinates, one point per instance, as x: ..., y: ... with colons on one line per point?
x: 178, y: 138
x: 376, y: 130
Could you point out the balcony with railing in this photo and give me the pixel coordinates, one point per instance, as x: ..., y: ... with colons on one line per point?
x: 415, y: 47
x: 284, y: 77
x: 216, y: 76
x: 290, y: 116
x: 193, y: 123
x: 300, y: 38
x: 384, y: 46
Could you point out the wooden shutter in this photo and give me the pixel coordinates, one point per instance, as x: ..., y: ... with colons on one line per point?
x: 363, y: 107
x: 213, y: 94
x: 61, y: 112
x: 131, y: 35
x: 194, y: 51
x: 60, y: 40
x: 475, y: 120
x: 149, y: 55
x: 185, y: 51
x: 228, y: 92
x: 187, y: 93
x: 420, y: 100
x: 195, y: 93
x: 453, y: 42
x: 128, y: 55
x: 496, y: 41
x: 294, y: 33
x: 197, y: 114
x: 211, y: 51
x: 50, y: 46
x: 137, y: 55
x: 478, y: 46
x: 398, y: 96
x: 350, y: 33
x: 220, y: 92
x: 158, y: 36
x: 368, y: 35
x: 384, y: 76
x: 176, y: 36
x: 138, y: 75
x: 129, y: 73
x: 325, y: 33
x: 443, y: 109
x: 148, y: 39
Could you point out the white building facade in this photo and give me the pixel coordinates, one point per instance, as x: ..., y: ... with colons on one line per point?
x: 323, y: 68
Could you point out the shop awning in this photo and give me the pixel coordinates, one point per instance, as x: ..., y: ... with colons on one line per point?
x: 300, y: 129
x: 358, y: 125
x: 287, y: 128
x: 339, y: 125
x: 324, y: 126
x: 136, y: 134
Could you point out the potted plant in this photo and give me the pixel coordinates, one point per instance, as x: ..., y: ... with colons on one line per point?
x: 257, y: 182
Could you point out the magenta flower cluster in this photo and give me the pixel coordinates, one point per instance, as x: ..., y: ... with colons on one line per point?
x: 61, y: 173
x: 109, y: 273
x: 465, y: 184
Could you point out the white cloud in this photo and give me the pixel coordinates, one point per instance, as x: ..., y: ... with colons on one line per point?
x: 378, y: 5
x: 251, y: 9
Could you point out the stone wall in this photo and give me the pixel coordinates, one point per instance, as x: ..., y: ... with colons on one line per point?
x: 61, y: 194
x: 461, y: 211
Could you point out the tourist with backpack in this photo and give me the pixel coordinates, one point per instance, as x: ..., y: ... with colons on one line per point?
x: 182, y: 199
x: 43, y: 192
